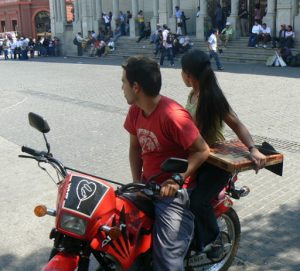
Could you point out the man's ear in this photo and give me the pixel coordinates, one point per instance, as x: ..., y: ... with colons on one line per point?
x: 136, y: 87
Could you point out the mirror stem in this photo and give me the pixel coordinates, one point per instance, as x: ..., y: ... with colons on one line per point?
x: 47, y: 144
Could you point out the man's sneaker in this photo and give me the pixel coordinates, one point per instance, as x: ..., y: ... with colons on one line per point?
x: 265, y: 46
x: 220, y: 68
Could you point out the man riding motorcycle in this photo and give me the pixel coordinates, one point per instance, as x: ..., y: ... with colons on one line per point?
x: 160, y: 128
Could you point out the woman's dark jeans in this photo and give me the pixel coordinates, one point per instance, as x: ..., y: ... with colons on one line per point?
x: 210, y: 182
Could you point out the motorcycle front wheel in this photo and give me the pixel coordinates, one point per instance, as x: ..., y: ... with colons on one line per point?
x: 230, y: 229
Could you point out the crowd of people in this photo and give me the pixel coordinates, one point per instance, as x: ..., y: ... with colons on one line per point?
x: 104, y: 42
x: 23, y: 48
x: 261, y: 35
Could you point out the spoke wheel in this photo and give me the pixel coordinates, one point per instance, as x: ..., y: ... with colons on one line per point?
x: 230, y: 228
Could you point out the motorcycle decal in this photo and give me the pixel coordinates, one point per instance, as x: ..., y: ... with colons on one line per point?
x: 123, y: 230
x: 85, y: 190
x: 118, y: 246
x: 84, y: 195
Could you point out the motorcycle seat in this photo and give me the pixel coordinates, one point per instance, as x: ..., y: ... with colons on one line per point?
x: 141, y: 202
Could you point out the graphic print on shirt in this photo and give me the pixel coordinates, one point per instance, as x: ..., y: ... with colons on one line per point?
x: 148, y: 141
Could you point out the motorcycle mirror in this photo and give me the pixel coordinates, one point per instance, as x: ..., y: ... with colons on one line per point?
x: 174, y: 165
x: 38, y: 123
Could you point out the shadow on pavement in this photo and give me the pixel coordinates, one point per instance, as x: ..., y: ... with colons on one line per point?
x: 253, y: 69
x: 32, y: 262
x: 277, y: 239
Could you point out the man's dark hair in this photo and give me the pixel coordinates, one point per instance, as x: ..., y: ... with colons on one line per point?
x: 144, y: 71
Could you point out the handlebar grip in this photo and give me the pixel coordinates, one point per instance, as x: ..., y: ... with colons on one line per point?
x: 30, y: 151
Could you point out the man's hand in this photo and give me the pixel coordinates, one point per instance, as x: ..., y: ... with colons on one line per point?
x: 169, y: 188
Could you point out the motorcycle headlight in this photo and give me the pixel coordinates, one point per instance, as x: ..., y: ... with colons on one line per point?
x: 73, y: 224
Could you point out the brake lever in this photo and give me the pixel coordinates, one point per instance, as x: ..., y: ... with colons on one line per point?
x: 39, y: 159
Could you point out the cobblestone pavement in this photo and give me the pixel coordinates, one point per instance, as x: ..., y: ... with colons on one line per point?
x: 85, y: 108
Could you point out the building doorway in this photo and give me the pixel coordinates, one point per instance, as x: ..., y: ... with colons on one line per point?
x: 42, y: 23
x: 250, y: 5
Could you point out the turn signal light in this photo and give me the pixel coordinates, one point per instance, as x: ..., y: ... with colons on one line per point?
x: 40, y: 210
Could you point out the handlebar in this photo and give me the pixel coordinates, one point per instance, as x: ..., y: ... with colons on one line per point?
x: 150, y: 189
x: 44, y: 157
x: 31, y: 151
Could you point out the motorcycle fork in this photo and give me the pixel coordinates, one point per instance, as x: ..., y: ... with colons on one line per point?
x: 58, y: 245
x: 84, y: 261
x: 57, y: 236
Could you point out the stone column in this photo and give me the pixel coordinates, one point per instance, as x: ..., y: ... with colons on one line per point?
x: 59, y: 8
x: 201, y: 21
x: 86, y: 17
x: 233, y: 19
x: 154, y: 19
x: 53, y: 15
x: 77, y: 17
x: 284, y: 13
x: 133, y: 27
x: 269, y: 19
x: 172, y: 13
x: 116, y: 11
x: 163, y: 12
x: 297, y: 24
x: 63, y: 12
x: 98, y: 15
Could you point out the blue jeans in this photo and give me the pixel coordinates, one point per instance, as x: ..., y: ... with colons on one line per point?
x: 214, y: 54
x: 169, y: 53
x: 252, y: 40
x: 172, y: 232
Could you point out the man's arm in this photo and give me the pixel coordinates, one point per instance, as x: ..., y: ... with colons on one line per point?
x: 198, y: 153
x: 135, y: 159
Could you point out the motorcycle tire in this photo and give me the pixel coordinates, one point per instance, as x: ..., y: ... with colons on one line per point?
x: 233, y: 224
x: 230, y: 229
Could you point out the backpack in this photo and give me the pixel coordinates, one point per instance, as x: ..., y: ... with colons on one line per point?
x: 170, y: 38
x: 75, y: 41
x: 295, y: 61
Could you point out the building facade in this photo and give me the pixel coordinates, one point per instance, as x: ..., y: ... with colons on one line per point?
x: 26, y: 17
x: 87, y: 15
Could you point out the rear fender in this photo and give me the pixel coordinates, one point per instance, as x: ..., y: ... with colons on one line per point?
x: 62, y: 262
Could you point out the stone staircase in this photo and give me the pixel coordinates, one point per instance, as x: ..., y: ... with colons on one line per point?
x: 236, y: 52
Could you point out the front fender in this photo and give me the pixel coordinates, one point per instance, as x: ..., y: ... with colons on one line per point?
x: 62, y: 262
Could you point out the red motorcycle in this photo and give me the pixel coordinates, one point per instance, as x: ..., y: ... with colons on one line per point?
x: 115, y: 225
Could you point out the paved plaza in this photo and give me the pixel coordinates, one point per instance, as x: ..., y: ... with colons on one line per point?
x: 83, y: 102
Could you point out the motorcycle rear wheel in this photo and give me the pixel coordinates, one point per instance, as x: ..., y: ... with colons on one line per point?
x: 229, y: 225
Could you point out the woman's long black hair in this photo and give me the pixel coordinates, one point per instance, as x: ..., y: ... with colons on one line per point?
x: 212, y: 105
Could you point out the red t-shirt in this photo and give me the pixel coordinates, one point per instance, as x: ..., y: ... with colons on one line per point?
x: 167, y: 132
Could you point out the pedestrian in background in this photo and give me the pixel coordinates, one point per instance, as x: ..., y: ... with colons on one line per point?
x: 141, y: 22
x: 213, y: 48
x: 79, y: 39
x: 244, y: 16
x: 218, y: 19
x: 167, y: 46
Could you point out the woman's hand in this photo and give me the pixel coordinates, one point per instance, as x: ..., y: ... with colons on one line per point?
x: 258, y: 158
x: 169, y: 188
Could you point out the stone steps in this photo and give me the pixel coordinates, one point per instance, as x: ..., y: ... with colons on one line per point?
x: 237, y: 51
